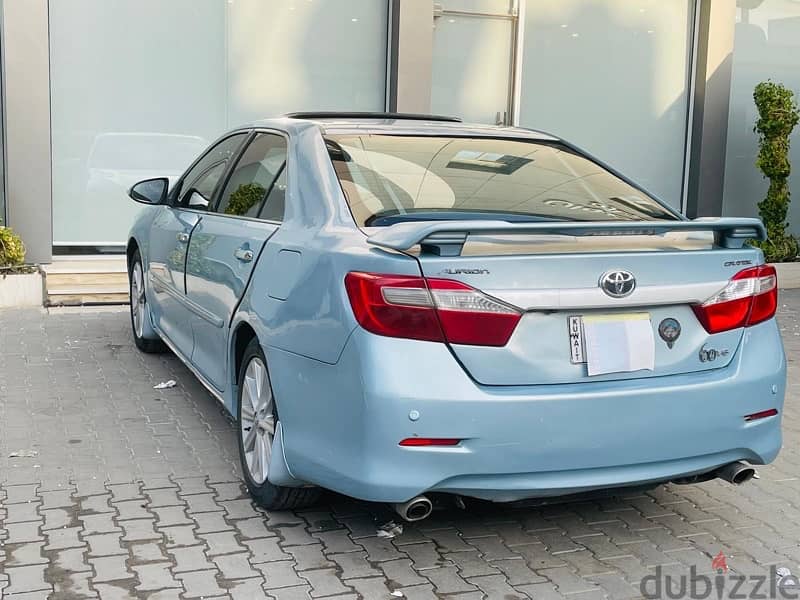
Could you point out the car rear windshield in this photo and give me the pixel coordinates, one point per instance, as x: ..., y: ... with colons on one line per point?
x: 393, y: 178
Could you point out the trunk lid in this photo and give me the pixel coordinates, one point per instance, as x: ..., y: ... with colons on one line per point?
x: 553, y: 276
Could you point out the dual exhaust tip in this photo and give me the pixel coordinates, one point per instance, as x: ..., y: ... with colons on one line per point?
x: 420, y: 507
x: 416, y: 509
x: 736, y: 473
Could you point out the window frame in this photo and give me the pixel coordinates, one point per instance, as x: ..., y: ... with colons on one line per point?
x: 175, y: 192
x: 232, y: 167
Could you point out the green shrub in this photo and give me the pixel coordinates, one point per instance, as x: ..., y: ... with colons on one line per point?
x: 12, y: 250
x: 777, y: 116
x: 244, y: 198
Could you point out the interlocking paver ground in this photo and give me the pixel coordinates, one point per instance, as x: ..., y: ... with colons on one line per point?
x: 124, y: 491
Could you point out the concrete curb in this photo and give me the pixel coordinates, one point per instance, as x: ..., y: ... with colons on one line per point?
x: 21, y: 290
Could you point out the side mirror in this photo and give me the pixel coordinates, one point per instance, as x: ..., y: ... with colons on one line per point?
x: 150, y: 191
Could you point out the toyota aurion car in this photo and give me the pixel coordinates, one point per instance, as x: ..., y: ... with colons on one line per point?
x: 398, y: 306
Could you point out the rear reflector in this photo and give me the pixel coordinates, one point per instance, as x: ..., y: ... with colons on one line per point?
x: 762, y: 415
x: 430, y: 442
x: 750, y: 298
x: 435, y: 310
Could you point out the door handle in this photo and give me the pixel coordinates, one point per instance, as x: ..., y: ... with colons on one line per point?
x: 183, y: 237
x: 243, y: 254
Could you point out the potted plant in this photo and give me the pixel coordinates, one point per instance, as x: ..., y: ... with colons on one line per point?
x: 20, y: 284
x: 777, y: 116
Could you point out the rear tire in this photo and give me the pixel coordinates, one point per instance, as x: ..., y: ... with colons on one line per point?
x: 257, y: 416
x: 144, y: 337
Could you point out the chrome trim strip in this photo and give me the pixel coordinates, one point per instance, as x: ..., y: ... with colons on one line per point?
x: 585, y: 298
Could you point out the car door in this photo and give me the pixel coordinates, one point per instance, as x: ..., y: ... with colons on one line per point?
x: 226, y: 244
x: 169, y: 241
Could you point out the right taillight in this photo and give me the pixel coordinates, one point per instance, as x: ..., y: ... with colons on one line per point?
x: 436, y: 310
x: 750, y: 297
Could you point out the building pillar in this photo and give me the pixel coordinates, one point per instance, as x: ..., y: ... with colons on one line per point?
x: 711, y: 98
x: 411, y: 56
x: 26, y: 58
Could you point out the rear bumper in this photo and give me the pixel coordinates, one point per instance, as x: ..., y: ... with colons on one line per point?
x: 343, y: 429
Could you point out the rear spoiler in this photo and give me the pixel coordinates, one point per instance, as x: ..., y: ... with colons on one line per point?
x: 446, y: 238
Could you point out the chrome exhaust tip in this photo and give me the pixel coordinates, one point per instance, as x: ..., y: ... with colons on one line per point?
x: 416, y: 509
x: 736, y: 473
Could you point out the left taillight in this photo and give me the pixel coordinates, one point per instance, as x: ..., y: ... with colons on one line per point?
x: 750, y: 297
x: 436, y: 310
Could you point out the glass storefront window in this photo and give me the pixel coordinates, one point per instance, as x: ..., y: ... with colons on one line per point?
x: 140, y: 87
x: 766, y: 46
x: 612, y: 76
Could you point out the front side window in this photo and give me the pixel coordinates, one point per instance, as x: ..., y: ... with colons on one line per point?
x: 198, y: 185
x: 257, y: 181
x: 390, y: 178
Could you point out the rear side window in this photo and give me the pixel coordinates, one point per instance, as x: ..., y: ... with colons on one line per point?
x: 256, y: 187
x: 390, y: 178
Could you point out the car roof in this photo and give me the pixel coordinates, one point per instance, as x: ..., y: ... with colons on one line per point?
x: 396, y: 124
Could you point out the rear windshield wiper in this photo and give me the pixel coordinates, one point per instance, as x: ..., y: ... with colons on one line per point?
x: 390, y: 217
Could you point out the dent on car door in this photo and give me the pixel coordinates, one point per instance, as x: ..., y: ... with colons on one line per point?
x: 226, y: 244
x: 169, y: 242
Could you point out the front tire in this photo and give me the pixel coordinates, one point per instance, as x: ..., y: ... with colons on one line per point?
x: 140, y: 314
x: 257, y: 415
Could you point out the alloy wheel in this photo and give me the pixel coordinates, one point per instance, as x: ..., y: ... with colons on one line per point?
x: 257, y: 420
x: 137, y: 299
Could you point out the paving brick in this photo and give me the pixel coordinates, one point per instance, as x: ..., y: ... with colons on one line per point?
x: 401, y: 573
x: 253, y: 528
x: 200, y: 584
x: 110, y: 568
x: 235, y: 566
x: 325, y: 582
x: 371, y: 587
x: 155, y: 576
x: 25, y: 579
x: 99, y: 523
x: 139, y: 530
x: 21, y: 512
x: 211, y: 522
x: 334, y: 541
x: 354, y: 564
x: 19, y: 533
x: 27, y: 553
x: 190, y: 558
x: 447, y: 580
x: 221, y: 543
x: 278, y: 574
x: 306, y: 557
x: 496, y: 586
x: 517, y: 571
x: 104, y: 544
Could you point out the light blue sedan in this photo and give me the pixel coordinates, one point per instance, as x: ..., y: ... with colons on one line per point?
x: 397, y: 306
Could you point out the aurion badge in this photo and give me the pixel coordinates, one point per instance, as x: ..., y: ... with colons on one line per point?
x: 618, y: 284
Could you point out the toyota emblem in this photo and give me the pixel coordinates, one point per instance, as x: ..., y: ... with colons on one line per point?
x: 618, y: 284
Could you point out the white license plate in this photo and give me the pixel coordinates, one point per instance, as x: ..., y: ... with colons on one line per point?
x: 612, y: 343
x: 576, y: 354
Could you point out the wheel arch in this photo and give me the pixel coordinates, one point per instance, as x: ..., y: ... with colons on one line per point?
x: 132, y: 247
x: 241, y: 336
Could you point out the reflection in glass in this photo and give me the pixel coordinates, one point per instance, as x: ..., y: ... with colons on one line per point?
x: 612, y: 77
x: 144, y: 89
x: 766, y: 46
